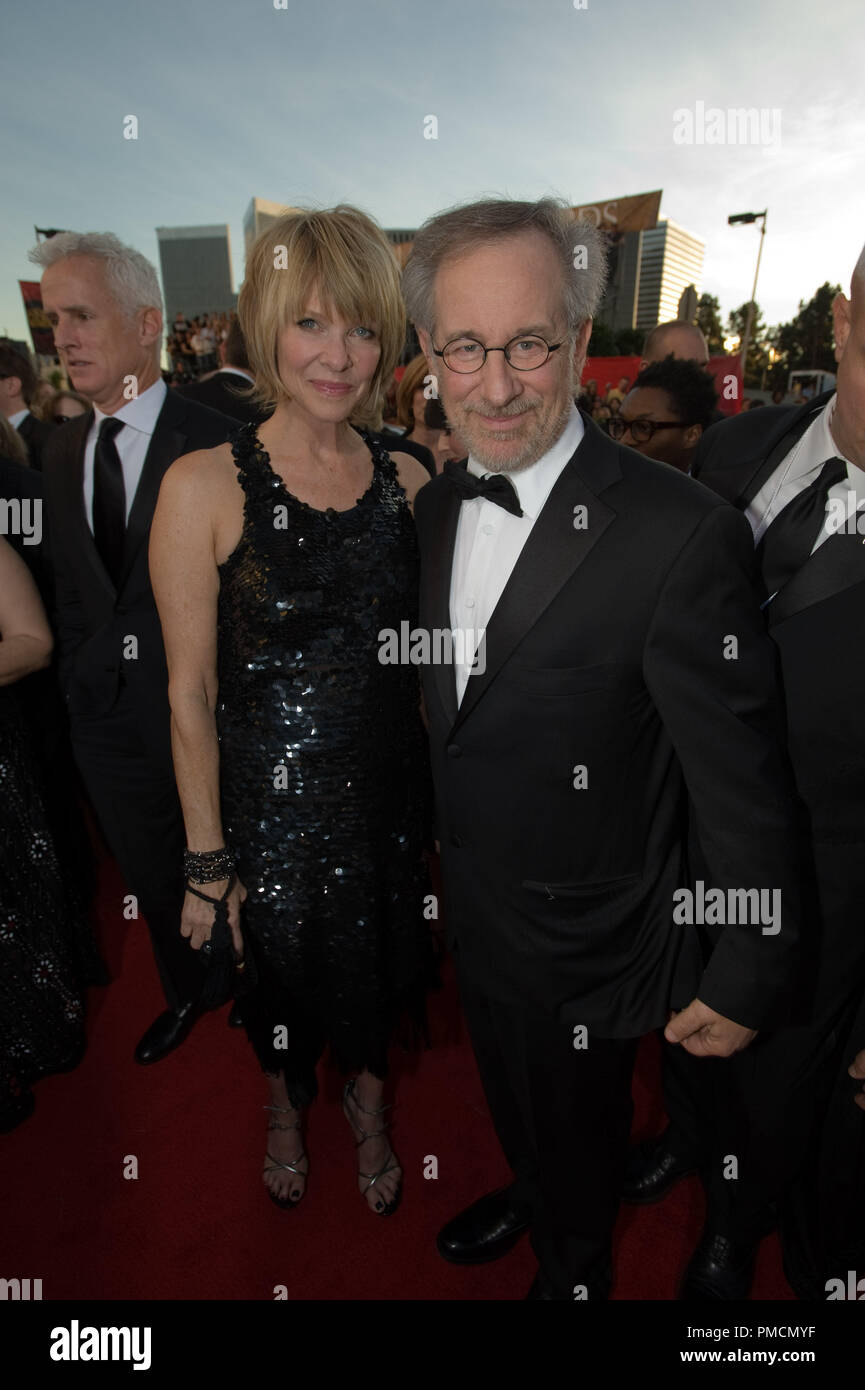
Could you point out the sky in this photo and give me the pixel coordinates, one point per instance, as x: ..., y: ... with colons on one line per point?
x: 326, y: 101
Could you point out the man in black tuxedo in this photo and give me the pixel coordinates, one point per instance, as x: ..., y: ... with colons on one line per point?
x: 102, y: 474
x: 798, y: 474
x: 223, y: 390
x: 623, y: 657
x: 17, y: 386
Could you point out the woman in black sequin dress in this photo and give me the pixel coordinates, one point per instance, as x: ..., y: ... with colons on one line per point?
x: 278, y: 563
x: 47, y: 953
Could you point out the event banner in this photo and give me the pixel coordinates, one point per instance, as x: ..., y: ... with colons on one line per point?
x: 727, y: 372
x: 40, y: 329
x: 636, y: 213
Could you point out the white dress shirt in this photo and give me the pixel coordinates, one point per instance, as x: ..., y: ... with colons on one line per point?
x: 15, y: 420
x: 489, y: 540
x: 139, y: 418
x: 798, y: 470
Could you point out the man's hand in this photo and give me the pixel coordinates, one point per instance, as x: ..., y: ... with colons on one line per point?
x: 857, y: 1069
x: 706, y: 1034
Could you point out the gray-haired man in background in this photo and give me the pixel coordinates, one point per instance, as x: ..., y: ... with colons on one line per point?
x: 102, y: 473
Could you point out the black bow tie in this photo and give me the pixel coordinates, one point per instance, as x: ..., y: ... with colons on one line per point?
x: 495, y: 488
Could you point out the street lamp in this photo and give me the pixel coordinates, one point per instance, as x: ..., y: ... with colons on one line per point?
x: 748, y: 217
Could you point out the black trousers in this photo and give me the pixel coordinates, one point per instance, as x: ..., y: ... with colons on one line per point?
x: 130, y: 783
x: 823, y: 1215
x: 769, y: 1109
x: 563, y: 1117
x: 770, y: 1106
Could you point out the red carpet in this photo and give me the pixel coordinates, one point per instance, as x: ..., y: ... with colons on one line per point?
x: 196, y: 1222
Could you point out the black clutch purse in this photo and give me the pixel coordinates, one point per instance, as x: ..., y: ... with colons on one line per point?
x: 227, y: 974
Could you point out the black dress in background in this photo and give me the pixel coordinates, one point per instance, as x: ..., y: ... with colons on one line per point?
x: 325, y: 785
x: 47, y: 952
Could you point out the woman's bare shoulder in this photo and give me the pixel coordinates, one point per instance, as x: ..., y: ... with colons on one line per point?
x: 201, y: 472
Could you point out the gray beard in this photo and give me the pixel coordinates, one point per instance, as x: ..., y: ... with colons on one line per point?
x: 533, y: 452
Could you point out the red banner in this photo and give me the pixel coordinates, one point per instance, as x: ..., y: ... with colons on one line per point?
x: 727, y: 372
x: 41, y: 331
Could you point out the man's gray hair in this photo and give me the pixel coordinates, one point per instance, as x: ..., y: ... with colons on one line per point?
x: 131, y: 278
x: 580, y: 247
x: 859, y: 268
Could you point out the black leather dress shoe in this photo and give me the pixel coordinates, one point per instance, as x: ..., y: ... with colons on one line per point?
x: 652, y: 1171
x: 718, y: 1270
x: 234, y: 1019
x: 166, y: 1033
x: 486, y: 1230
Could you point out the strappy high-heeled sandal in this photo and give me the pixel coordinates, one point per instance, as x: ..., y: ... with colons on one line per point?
x: 284, y: 1202
x: 390, y: 1162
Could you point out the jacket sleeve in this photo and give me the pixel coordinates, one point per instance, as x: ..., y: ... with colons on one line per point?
x: 713, y: 674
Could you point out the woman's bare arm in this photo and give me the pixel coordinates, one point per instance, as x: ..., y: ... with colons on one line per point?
x: 185, y: 584
x: 26, y: 637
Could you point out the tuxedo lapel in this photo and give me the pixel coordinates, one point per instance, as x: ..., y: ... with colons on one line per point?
x: 757, y: 472
x: 167, y: 443
x: 837, y: 564
x: 555, y: 549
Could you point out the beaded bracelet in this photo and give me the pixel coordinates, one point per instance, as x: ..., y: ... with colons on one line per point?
x: 207, y: 866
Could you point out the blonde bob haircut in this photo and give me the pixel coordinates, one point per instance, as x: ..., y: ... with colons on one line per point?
x: 346, y: 257
x: 412, y: 380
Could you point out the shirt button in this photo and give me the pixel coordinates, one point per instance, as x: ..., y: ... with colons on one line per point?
x: 470, y: 603
x: 488, y: 530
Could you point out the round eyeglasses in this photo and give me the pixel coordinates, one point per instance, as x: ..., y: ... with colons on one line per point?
x: 468, y: 355
x: 642, y: 430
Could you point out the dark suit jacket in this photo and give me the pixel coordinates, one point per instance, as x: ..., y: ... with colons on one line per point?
x: 817, y: 622
x: 35, y: 434
x: 24, y: 485
x: 220, y: 392
x: 606, y: 650
x: 92, y: 618
x: 398, y: 442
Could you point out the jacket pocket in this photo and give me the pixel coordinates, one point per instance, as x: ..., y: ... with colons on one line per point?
x: 580, y: 890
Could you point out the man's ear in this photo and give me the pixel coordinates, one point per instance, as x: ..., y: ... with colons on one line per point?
x: 149, y: 326
x: 425, y: 344
x: 692, y: 436
x: 841, y: 323
x: 578, y: 361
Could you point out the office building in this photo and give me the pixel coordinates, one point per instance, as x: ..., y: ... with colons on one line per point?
x: 670, y: 261
x: 196, y: 270
x: 260, y: 215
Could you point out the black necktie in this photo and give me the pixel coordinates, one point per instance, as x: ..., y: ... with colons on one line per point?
x: 496, y: 488
x: 109, y: 498
x: 789, y: 540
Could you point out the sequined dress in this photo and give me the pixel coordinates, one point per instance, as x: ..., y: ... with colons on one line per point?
x: 324, y: 775
x: 47, y: 952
